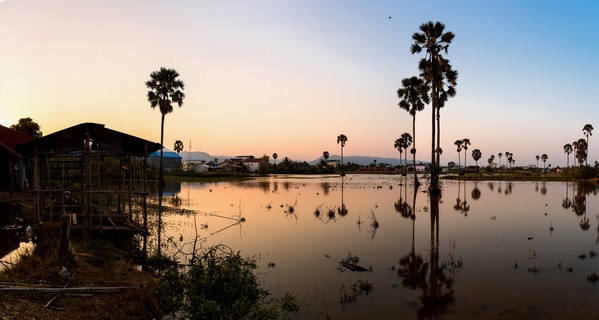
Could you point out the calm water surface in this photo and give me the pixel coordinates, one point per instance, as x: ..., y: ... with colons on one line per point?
x: 492, y: 250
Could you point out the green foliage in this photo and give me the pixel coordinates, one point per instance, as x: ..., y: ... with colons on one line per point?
x: 219, y: 284
x: 584, y: 173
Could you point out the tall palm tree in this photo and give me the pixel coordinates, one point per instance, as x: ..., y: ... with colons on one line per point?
x: 399, y: 145
x: 325, y: 155
x: 537, y: 157
x: 164, y: 91
x: 413, y: 96
x: 581, y: 150
x: 440, y: 76
x: 407, y: 142
x: 465, y: 144
x: 567, y: 150
x: 458, y: 144
x: 476, y: 155
x: 500, y: 155
x: 275, y: 156
x: 544, y: 158
x: 491, y: 159
x: 588, y: 131
x: 341, y: 139
x: 178, y: 147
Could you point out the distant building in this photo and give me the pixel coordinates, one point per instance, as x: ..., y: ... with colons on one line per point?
x: 171, y: 161
x: 333, y: 163
x: 420, y: 167
x: 252, y: 164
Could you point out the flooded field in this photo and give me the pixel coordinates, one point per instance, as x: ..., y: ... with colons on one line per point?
x: 368, y: 246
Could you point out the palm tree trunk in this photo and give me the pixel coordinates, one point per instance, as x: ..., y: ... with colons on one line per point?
x: 160, y: 184
x: 434, y: 183
x: 416, y: 182
x: 434, y: 187
x: 438, y: 159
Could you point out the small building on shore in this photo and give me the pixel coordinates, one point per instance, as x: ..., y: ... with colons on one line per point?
x: 171, y: 161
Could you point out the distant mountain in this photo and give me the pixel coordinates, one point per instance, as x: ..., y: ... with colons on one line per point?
x: 361, y: 160
x: 365, y: 160
x: 200, y: 155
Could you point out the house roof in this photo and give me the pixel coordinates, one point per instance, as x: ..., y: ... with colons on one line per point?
x: 9, y: 138
x: 72, y: 139
x: 166, y: 153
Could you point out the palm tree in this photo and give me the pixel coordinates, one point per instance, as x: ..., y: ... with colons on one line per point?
x: 581, y: 150
x: 500, y: 155
x: 178, y: 147
x: 507, y: 155
x: 476, y: 155
x: 491, y: 159
x: 441, y: 78
x: 544, y: 157
x: 567, y: 150
x: 588, y: 131
x: 413, y: 96
x: 325, y: 155
x: 407, y: 142
x: 458, y: 144
x: 399, y: 145
x: 275, y: 156
x: 341, y: 139
x: 537, y: 157
x: 465, y: 144
x: 165, y: 90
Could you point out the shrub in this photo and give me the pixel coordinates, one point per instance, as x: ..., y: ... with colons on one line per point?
x: 220, y: 284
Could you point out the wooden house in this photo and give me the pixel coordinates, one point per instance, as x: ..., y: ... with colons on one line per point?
x: 96, y: 175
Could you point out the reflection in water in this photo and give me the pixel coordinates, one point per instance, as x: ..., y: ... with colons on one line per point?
x: 475, y: 192
x: 437, y: 288
x: 412, y: 272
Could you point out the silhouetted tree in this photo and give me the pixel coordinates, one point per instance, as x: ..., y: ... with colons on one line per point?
x: 341, y: 139
x: 476, y: 155
x: 28, y: 126
x: 544, y: 158
x: 441, y: 78
x: 178, y: 147
x: 567, y: 150
x: 588, y: 131
x: 413, y: 96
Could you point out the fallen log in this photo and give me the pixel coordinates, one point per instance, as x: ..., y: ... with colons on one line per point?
x: 66, y: 290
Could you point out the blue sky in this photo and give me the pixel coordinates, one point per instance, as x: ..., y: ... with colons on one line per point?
x: 270, y: 76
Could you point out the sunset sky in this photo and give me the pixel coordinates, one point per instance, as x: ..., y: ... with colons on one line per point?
x: 288, y: 76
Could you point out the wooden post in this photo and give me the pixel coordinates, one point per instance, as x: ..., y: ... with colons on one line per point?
x: 64, y: 247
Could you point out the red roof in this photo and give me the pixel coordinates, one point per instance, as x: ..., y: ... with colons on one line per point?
x: 12, y: 138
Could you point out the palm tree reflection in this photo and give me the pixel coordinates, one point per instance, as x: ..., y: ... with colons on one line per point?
x: 435, y: 279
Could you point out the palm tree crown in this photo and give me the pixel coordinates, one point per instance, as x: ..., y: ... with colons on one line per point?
x: 165, y: 89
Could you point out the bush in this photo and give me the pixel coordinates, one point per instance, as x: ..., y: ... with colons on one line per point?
x: 585, y: 173
x: 220, y: 284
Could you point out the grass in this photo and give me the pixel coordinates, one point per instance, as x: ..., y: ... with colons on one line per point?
x: 99, y: 263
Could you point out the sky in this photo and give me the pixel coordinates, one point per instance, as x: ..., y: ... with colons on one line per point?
x: 289, y: 76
